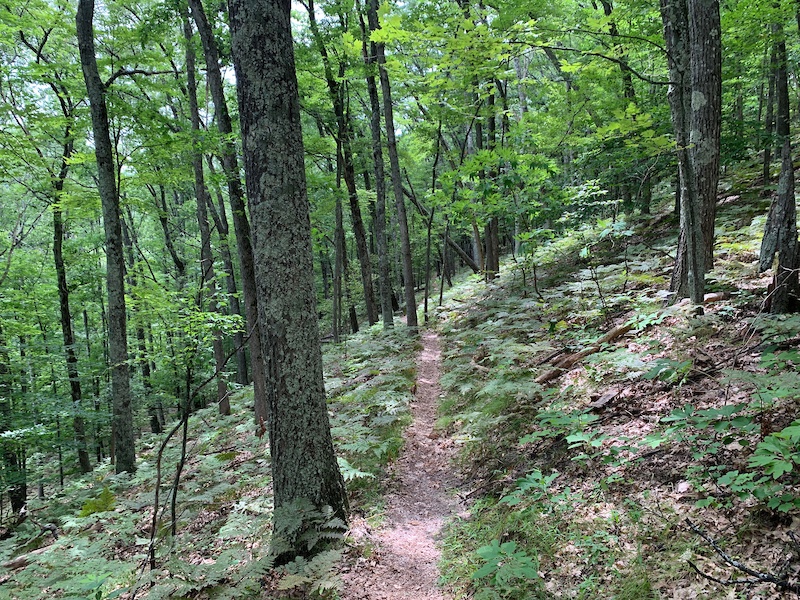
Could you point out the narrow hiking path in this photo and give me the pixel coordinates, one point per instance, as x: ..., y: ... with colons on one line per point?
x: 403, y: 565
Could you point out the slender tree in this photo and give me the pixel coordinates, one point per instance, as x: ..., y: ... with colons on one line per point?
x: 369, y: 52
x: 693, y: 40
x: 346, y: 161
x: 394, y: 163
x: 124, y: 446
x: 202, y: 201
x: 241, y: 224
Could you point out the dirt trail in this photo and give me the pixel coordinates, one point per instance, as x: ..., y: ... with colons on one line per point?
x: 404, y: 564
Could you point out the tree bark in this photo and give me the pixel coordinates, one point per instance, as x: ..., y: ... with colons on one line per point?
x: 304, y: 465
x: 780, y: 233
x: 769, y: 121
x: 705, y: 34
x: 220, y: 219
x: 692, y: 34
x: 125, y: 453
x: 241, y: 224
x: 394, y: 162
x: 384, y: 273
x: 67, y: 331
x: 14, y: 476
x: 346, y: 160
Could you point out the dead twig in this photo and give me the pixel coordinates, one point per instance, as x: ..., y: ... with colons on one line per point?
x: 760, y: 577
x: 568, y: 361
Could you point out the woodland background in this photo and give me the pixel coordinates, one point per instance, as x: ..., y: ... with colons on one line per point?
x: 438, y: 136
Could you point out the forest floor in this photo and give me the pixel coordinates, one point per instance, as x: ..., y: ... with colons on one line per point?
x: 516, y: 450
x: 403, y: 564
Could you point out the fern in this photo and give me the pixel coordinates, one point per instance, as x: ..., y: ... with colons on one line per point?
x: 317, y: 575
x: 103, y: 503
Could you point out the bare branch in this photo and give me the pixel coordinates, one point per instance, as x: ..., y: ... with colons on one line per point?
x: 760, y: 577
x: 128, y: 72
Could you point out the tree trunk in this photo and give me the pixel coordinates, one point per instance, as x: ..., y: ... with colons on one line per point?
x: 692, y: 34
x: 304, y: 466
x: 241, y: 225
x: 397, y: 182
x: 345, y: 158
x: 769, y: 120
x: 628, y: 91
x: 160, y: 199
x: 780, y: 233
x: 125, y: 457
x: 67, y: 331
x: 705, y: 34
x: 220, y: 218
x: 379, y: 222
x: 14, y: 476
x: 140, y: 357
x: 202, y: 200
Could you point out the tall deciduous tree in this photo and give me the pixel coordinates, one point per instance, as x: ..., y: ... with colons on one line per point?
x: 369, y: 52
x: 693, y: 37
x: 346, y: 160
x: 394, y: 163
x: 304, y: 466
x: 780, y: 234
x: 124, y: 446
x: 241, y: 224
x: 201, y: 194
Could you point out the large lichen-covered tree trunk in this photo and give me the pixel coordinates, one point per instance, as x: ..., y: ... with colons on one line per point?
x: 124, y: 448
x: 304, y: 466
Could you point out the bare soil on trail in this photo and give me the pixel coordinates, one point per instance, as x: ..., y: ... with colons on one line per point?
x: 403, y: 564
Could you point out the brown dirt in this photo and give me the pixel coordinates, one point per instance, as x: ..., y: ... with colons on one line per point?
x: 403, y: 565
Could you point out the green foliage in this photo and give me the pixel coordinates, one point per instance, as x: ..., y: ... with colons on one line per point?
x: 504, y: 565
x: 670, y: 371
x: 105, y: 501
x: 316, y: 577
x: 301, y: 527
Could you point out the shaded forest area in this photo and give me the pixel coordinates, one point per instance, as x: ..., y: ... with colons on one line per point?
x: 619, y: 178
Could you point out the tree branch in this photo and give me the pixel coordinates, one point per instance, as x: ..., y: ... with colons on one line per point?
x: 759, y: 576
x: 127, y: 72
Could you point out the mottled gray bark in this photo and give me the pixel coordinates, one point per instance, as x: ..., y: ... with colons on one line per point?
x: 125, y: 454
x: 705, y: 41
x: 692, y: 34
x: 304, y: 465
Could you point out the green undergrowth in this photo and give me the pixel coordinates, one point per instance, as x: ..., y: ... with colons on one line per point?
x: 369, y: 379
x: 221, y: 546
x: 584, y: 481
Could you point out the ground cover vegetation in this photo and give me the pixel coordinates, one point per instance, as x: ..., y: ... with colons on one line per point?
x: 173, y: 251
x: 661, y: 463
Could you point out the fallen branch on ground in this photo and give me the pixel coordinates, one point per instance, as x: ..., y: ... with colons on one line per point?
x: 568, y: 362
x: 760, y: 577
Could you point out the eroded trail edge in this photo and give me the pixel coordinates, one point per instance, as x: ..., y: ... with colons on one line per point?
x: 418, y: 502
